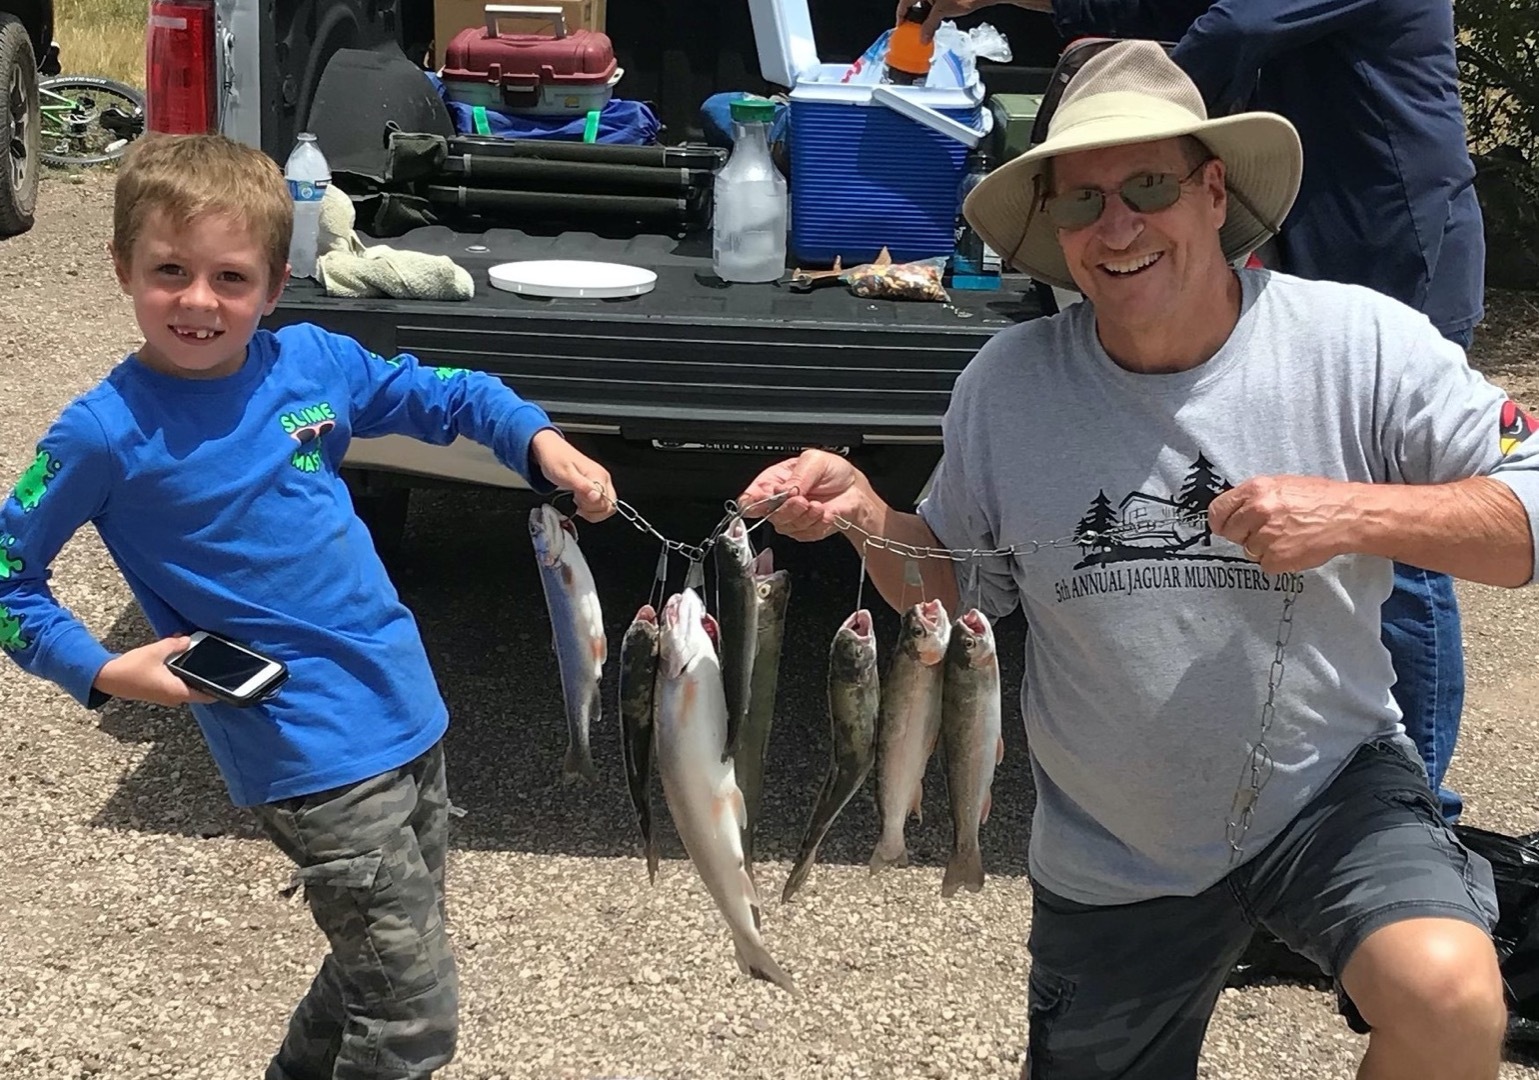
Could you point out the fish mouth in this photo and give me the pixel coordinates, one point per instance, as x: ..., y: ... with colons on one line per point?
x: 859, y: 624
x: 764, y: 564
x: 647, y: 614
x: 975, y: 623
x: 671, y: 610
x: 931, y: 614
x: 549, y: 531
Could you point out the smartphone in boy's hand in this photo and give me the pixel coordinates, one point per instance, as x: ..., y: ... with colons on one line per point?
x: 228, y: 671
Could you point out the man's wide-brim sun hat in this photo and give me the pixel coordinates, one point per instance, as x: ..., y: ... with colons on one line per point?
x: 1132, y: 93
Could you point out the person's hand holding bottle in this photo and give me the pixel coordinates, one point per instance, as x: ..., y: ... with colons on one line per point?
x: 940, y: 10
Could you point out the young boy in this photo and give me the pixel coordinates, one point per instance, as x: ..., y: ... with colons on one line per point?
x: 207, y: 461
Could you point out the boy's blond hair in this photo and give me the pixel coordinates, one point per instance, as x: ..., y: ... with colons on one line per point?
x: 187, y: 177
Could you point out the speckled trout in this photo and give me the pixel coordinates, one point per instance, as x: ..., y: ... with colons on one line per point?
x: 700, y: 788
x: 973, y: 736
x: 909, y: 725
x: 577, y: 623
x: 854, y: 698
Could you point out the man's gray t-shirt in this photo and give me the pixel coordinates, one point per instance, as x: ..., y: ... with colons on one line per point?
x: 1147, y: 660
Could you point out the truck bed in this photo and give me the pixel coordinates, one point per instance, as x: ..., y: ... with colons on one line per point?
x: 687, y: 390
x: 821, y: 366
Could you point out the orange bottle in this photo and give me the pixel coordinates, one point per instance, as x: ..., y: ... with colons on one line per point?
x: 908, y: 58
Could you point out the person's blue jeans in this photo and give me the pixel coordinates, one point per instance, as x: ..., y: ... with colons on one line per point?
x: 1422, y: 633
x: 1426, y: 645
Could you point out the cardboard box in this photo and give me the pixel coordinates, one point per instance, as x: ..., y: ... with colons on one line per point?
x: 452, y: 16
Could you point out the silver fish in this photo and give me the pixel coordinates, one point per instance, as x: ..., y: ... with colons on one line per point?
x: 577, y: 623
x: 738, y: 609
x: 909, y: 725
x: 638, y: 707
x: 854, y: 697
x: 772, y: 594
x: 699, y: 787
x: 972, y: 732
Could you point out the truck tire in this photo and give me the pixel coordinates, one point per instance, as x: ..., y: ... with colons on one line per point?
x: 19, y: 120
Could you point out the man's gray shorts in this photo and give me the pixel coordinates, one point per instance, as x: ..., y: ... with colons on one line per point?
x: 1126, y: 992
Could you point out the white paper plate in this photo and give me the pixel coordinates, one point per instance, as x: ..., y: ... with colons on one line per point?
x: 572, y: 278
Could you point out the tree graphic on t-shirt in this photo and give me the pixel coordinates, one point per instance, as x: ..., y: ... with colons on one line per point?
x: 1099, y: 520
x: 1202, y: 486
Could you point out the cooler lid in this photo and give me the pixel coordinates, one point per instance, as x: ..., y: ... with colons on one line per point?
x: 782, y: 30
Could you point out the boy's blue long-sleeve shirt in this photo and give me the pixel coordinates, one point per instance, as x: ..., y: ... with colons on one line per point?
x: 1387, y: 198
x: 222, y: 505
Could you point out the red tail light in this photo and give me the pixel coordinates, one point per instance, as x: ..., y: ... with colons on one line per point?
x: 179, y: 67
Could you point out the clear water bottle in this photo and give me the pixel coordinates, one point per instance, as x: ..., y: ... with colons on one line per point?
x: 974, y: 265
x: 748, y: 230
x: 308, y: 176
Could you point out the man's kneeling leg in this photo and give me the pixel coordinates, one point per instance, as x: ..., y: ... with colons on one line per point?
x: 1371, y: 884
x: 1431, y: 991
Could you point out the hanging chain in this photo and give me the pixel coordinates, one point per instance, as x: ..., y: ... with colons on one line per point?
x: 1084, y: 538
x: 1259, y: 764
x: 696, y: 553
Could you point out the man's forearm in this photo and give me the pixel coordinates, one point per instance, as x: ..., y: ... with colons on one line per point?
x: 1475, y: 529
x: 887, y: 569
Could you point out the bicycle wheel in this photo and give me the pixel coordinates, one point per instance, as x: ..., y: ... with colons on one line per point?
x: 87, y: 120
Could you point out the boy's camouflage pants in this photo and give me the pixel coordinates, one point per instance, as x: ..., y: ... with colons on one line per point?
x: 385, y: 1002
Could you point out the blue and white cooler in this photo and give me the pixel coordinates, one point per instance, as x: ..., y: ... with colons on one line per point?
x: 872, y: 166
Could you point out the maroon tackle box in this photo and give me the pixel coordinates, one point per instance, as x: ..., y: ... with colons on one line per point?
x: 550, y: 74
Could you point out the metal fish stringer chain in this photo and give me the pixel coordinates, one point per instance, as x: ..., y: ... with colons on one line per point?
x: 1259, y: 764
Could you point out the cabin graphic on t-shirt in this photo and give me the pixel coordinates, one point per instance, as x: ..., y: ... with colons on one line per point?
x: 1150, y: 525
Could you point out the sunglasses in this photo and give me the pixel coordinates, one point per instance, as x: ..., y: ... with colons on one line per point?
x: 1145, y: 193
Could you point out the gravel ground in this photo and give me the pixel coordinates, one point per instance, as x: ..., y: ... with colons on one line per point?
x: 148, y: 934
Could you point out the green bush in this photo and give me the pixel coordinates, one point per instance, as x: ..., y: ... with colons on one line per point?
x: 1499, y: 83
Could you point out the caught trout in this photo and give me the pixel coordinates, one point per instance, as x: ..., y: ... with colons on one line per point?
x: 700, y: 788
x: 739, y: 625
x: 975, y: 744
x: 577, y: 624
x: 772, y: 594
x: 638, y: 705
x: 854, y: 697
x: 909, y: 726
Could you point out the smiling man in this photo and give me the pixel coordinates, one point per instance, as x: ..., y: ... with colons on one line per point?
x: 1242, y: 456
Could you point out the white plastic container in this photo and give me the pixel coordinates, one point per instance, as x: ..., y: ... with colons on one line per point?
x: 309, y: 176
x: 748, y: 227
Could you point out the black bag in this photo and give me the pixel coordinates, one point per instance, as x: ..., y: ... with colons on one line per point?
x: 1515, y: 867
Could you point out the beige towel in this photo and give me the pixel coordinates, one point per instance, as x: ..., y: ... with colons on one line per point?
x: 348, y: 268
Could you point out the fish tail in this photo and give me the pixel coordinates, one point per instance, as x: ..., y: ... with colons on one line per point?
x: 798, y: 875
x: 964, y: 869
x: 578, y: 764
x: 754, y: 959
x: 651, y: 852
x: 889, y: 852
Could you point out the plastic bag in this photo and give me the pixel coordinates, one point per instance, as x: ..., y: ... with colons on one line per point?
x: 899, y: 281
x: 953, y: 63
x: 1515, y: 868
x: 869, y: 67
x: 962, y: 51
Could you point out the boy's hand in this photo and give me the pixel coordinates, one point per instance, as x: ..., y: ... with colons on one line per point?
x: 141, y: 675
x: 570, y: 469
